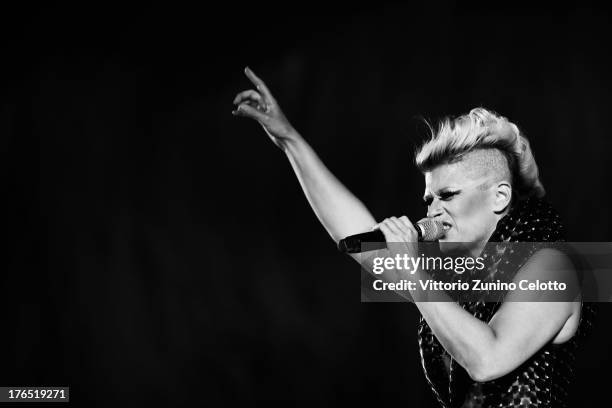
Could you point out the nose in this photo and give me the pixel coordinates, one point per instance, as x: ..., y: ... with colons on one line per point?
x: 434, y: 209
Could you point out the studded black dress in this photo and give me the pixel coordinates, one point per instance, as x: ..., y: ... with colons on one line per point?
x: 542, y: 381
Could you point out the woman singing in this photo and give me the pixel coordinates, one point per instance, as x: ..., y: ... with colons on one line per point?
x: 482, y: 185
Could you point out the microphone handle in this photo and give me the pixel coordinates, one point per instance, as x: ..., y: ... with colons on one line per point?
x: 375, y: 239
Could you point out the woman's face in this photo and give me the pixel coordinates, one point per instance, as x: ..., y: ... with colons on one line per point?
x: 463, y: 198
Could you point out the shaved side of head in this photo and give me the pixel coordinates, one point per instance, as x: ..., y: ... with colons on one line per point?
x: 488, y: 165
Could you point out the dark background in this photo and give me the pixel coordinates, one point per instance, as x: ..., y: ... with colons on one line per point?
x: 161, y: 250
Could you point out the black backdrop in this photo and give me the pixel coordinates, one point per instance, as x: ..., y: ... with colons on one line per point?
x: 162, y: 250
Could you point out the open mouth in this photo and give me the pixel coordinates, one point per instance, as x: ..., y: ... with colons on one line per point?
x: 446, y: 226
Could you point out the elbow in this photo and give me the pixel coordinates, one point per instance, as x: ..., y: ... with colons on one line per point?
x: 484, y: 370
x: 488, y: 362
x: 481, y: 375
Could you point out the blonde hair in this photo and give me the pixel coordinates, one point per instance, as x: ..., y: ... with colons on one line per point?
x: 483, y: 129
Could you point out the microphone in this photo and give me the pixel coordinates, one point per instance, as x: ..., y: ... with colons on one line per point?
x: 427, y: 230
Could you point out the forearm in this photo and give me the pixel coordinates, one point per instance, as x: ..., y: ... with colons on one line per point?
x: 467, y: 339
x: 340, y: 212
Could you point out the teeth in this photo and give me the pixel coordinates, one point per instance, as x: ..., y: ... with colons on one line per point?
x: 446, y: 227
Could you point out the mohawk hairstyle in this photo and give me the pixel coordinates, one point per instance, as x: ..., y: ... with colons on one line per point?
x: 483, y: 129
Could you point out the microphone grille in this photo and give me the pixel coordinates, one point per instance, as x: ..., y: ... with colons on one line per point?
x: 432, y: 229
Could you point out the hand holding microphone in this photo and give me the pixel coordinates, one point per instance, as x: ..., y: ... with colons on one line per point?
x: 426, y: 229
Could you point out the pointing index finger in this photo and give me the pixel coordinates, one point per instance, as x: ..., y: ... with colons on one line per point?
x: 261, y: 86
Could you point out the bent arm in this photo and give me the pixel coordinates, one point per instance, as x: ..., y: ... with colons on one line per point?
x: 516, y: 332
x: 521, y: 326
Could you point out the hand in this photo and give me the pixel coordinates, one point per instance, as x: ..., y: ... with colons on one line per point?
x: 402, y: 240
x: 401, y: 236
x: 260, y: 105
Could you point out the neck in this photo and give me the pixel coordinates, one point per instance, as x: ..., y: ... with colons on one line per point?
x: 479, y: 247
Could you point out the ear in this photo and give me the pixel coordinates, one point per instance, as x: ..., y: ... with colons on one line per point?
x: 503, y: 197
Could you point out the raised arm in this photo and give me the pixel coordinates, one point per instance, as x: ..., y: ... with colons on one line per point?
x: 340, y: 212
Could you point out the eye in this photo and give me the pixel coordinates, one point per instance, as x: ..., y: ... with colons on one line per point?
x: 448, y: 195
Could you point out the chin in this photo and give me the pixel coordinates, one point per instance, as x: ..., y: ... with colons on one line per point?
x: 448, y: 246
x: 452, y: 247
x: 452, y: 242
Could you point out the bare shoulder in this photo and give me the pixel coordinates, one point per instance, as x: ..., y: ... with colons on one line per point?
x: 554, y: 265
x: 551, y: 264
